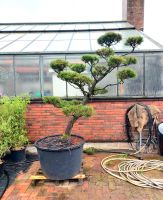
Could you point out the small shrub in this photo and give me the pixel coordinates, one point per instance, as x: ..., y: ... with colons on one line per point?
x: 12, y: 120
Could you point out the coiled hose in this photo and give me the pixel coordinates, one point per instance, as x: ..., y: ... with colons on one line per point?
x: 131, y: 170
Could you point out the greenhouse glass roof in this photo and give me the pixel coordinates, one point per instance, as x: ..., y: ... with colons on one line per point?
x: 72, y: 37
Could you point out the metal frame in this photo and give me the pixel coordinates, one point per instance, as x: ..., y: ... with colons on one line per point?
x: 69, y: 30
x: 108, y: 99
x: 57, y: 23
x: 72, y: 52
x: 41, y: 55
x: 131, y: 27
x: 41, y: 78
x: 65, y: 31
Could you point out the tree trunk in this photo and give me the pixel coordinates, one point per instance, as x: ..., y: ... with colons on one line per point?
x: 70, y: 125
x: 73, y: 119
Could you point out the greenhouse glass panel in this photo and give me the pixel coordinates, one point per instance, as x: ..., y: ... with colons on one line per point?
x: 3, y: 35
x: 154, y: 74
x: 12, y: 27
x: 68, y: 27
x: 36, y: 46
x: 40, y: 27
x: 3, y: 44
x: 96, y: 34
x: 129, y: 33
x: 147, y: 44
x: 120, y: 46
x: 109, y: 79
x: 63, y: 36
x: 82, y: 27
x: 124, y: 25
x: 58, y: 46
x: 46, y: 36
x: 2, y: 27
x: 6, y: 76
x: 15, y: 46
x: 96, y: 26
x: 81, y: 36
x: 26, y: 27
x: 110, y: 25
x: 27, y: 75
x: 12, y: 37
x: 80, y: 45
x: 72, y: 91
x: 69, y: 40
x: 134, y: 87
x: 30, y: 36
x: 95, y: 45
x: 54, y: 27
x: 52, y: 85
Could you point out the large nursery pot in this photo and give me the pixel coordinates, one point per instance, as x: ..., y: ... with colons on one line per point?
x: 62, y: 163
x: 18, y: 155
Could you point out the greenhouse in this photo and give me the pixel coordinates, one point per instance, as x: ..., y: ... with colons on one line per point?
x: 26, y: 50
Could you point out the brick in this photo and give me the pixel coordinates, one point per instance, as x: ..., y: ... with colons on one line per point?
x: 135, y: 13
x: 107, y: 124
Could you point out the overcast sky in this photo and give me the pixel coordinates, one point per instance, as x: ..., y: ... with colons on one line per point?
x: 79, y: 10
x: 154, y: 19
x: 59, y: 10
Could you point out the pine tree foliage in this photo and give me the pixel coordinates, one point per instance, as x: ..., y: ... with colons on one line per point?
x: 100, y: 65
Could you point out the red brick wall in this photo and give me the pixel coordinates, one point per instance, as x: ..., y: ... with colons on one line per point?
x: 106, y: 125
x: 135, y: 13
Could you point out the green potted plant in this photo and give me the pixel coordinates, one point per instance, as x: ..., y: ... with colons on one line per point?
x: 3, y: 149
x: 14, y: 126
x: 60, y: 155
x: 18, y: 145
x: 5, y: 132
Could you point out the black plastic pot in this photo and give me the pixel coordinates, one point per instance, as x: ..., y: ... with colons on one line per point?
x: 1, y: 168
x: 60, y: 164
x: 18, y: 155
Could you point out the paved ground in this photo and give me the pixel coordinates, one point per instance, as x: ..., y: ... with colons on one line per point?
x: 98, y: 186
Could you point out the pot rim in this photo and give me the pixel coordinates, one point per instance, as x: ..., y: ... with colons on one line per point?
x: 63, y: 149
x: 18, y: 149
x: 2, y: 162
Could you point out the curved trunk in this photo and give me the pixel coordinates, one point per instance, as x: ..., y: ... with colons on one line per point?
x: 73, y: 119
x: 70, y: 125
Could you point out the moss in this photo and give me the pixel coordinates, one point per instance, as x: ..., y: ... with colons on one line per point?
x: 90, y: 150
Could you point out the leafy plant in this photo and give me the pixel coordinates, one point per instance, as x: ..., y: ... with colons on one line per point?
x: 3, y: 148
x: 18, y: 141
x: 12, y: 120
x: 100, y: 65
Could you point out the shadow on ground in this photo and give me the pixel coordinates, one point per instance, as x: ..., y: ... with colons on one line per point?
x: 13, y: 169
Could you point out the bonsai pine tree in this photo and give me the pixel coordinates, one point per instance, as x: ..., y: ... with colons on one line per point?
x: 100, y: 65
